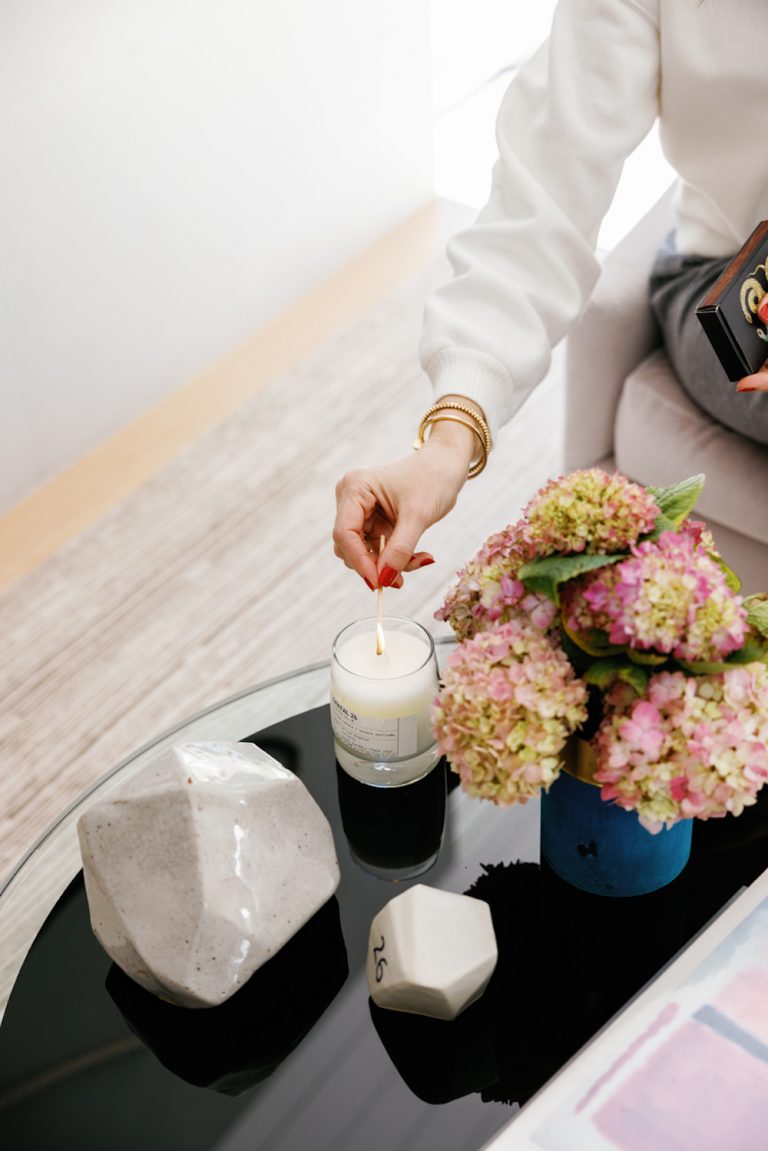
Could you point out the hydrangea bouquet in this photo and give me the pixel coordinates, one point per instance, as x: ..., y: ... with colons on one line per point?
x: 606, y: 611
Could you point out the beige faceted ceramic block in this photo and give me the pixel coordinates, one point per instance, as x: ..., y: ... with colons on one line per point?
x: 202, y: 866
x: 431, y: 952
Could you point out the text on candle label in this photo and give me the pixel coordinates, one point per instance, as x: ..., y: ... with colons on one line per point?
x: 374, y: 737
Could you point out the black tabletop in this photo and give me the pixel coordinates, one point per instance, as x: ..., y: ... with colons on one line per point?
x: 300, y: 1057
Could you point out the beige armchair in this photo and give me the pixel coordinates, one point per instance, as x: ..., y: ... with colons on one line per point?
x: 624, y: 408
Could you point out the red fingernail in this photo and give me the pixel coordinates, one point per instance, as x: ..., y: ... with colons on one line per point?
x: 370, y: 585
x: 762, y: 309
x: 387, y: 576
x: 747, y: 389
x: 425, y: 563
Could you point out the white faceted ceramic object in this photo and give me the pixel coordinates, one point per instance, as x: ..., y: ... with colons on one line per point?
x: 431, y: 952
x: 202, y: 866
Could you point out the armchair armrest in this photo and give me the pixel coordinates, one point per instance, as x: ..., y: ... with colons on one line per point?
x: 614, y: 333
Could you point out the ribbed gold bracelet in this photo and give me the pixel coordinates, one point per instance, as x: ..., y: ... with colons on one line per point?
x: 476, y: 465
x: 447, y: 410
x: 452, y: 406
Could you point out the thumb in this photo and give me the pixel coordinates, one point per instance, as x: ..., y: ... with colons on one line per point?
x: 400, y: 546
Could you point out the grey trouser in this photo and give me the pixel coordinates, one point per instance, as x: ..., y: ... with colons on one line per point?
x: 677, y: 285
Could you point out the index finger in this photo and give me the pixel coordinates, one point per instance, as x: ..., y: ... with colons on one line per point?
x: 757, y: 382
x: 349, y: 535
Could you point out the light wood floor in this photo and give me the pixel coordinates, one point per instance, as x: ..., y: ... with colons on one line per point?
x: 62, y: 508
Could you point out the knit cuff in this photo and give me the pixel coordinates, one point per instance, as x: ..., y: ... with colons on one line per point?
x: 458, y: 372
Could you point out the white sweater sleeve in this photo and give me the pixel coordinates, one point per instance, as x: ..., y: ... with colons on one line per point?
x: 524, y: 271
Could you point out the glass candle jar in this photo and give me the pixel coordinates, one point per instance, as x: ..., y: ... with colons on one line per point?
x: 381, y: 703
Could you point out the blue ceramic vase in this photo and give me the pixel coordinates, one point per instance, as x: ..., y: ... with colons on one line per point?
x: 599, y: 847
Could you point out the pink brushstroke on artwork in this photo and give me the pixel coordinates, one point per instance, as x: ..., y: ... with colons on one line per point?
x: 665, y: 1016
x: 697, y: 1089
x: 745, y: 1001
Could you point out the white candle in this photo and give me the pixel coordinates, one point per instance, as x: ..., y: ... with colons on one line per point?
x: 381, y: 704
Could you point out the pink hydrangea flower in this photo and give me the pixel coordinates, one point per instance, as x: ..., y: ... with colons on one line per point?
x: 694, y: 746
x: 644, y: 729
x: 669, y: 597
x: 691, y: 746
x: 589, y: 511
x: 509, y: 700
x: 700, y: 535
x: 488, y: 591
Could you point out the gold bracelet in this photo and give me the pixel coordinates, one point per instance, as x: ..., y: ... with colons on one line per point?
x: 476, y: 466
x: 449, y: 405
x: 447, y: 410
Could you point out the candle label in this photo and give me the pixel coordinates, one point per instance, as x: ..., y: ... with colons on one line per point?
x: 372, y: 737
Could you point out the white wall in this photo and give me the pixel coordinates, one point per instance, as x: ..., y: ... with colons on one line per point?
x: 174, y: 174
x: 470, y: 42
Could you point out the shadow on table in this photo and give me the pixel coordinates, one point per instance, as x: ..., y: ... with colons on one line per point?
x: 236, y: 1045
x: 567, y: 963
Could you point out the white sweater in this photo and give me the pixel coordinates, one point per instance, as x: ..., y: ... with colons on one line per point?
x: 572, y: 114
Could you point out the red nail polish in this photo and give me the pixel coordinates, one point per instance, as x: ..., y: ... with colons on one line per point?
x: 370, y: 585
x: 387, y: 576
x: 425, y: 563
x: 747, y: 389
x: 762, y: 309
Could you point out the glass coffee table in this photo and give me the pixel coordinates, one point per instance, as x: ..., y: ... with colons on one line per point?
x: 300, y: 1057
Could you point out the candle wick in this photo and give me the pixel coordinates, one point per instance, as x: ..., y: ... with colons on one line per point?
x: 379, y: 609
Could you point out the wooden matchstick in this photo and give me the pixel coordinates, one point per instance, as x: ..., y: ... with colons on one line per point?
x: 379, y: 608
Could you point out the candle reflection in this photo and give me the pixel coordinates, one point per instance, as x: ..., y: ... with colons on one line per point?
x: 394, y: 832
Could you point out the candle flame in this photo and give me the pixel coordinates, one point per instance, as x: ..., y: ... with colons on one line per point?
x: 379, y: 639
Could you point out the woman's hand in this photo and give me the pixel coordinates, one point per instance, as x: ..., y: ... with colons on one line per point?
x: 400, y: 500
x: 757, y: 382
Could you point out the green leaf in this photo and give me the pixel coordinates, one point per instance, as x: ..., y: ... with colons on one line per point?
x: 733, y: 581
x: 699, y: 667
x: 579, y: 659
x: 647, y: 658
x: 604, y: 672
x: 678, y: 500
x: 593, y: 641
x: 544, y: 575
x: 754, y: 650
x: 662, y: 524
x: 757, y: 612
x: 636, y: 677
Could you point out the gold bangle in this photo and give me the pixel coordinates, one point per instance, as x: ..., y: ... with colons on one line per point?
x: 476, y: 465
x: 447, y: 410
x: 451, y: 406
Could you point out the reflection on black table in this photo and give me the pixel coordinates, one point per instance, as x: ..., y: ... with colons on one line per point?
x: 394, y: 832
x: 232, y: 1047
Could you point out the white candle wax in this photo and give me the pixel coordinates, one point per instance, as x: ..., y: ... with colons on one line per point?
x: 381, y: 704
x: 402, y: 655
